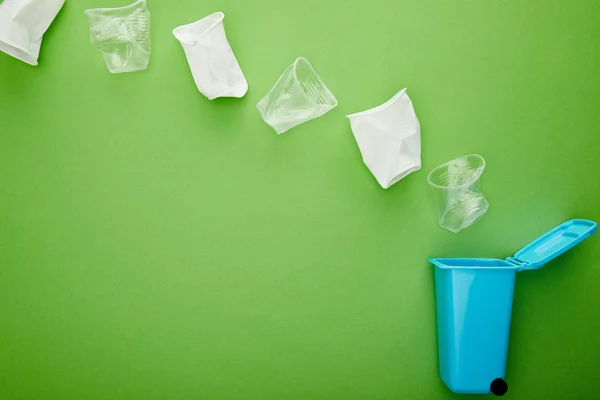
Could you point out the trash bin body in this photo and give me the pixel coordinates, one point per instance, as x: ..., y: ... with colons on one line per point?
x: 474, y: 304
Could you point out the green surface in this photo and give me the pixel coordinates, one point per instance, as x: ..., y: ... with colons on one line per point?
x: 155, y: 245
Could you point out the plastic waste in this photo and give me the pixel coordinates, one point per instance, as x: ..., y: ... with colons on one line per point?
x: 474, y: 304
x: 23, y: 24
x: 458, y: 198
x: 389, y: 138
x: 122, y: 35
x: 297, y: 97
x: 214, y: 67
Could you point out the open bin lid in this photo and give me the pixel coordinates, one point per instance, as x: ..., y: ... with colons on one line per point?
x: 554, y: 243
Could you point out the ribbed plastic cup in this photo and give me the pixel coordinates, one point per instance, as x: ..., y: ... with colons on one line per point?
x: 455, y: 184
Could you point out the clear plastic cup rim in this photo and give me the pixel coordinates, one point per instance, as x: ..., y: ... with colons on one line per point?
x: 464, y: 185
x: 331, y: 100
x: 109, y: 9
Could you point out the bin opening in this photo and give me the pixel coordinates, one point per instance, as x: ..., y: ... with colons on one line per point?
x: 491, y: 263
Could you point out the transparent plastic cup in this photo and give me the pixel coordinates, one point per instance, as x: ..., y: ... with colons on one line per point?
x: 455, y: 184
x: 297, y: 97
x: 122, y: 35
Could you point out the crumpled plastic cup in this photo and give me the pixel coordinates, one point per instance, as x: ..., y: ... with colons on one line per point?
x: 23, y: 24
x: 214, y: 67
x: 389, y: 138
x: 458, y: 199
x: 297, y: 97
x: 122, y: 35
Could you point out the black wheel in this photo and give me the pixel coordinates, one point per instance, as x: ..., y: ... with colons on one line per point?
x: 499, y: 387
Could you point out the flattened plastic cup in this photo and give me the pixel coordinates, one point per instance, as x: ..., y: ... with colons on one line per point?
x: 459, y: 201
x: 214, y: 67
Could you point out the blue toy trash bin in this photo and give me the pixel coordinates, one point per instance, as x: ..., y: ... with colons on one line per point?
x: 474, y: 303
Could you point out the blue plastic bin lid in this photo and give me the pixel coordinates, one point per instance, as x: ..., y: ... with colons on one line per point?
x: 554, y: 243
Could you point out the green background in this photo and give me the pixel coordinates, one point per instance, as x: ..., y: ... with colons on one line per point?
x: 157, y: 245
